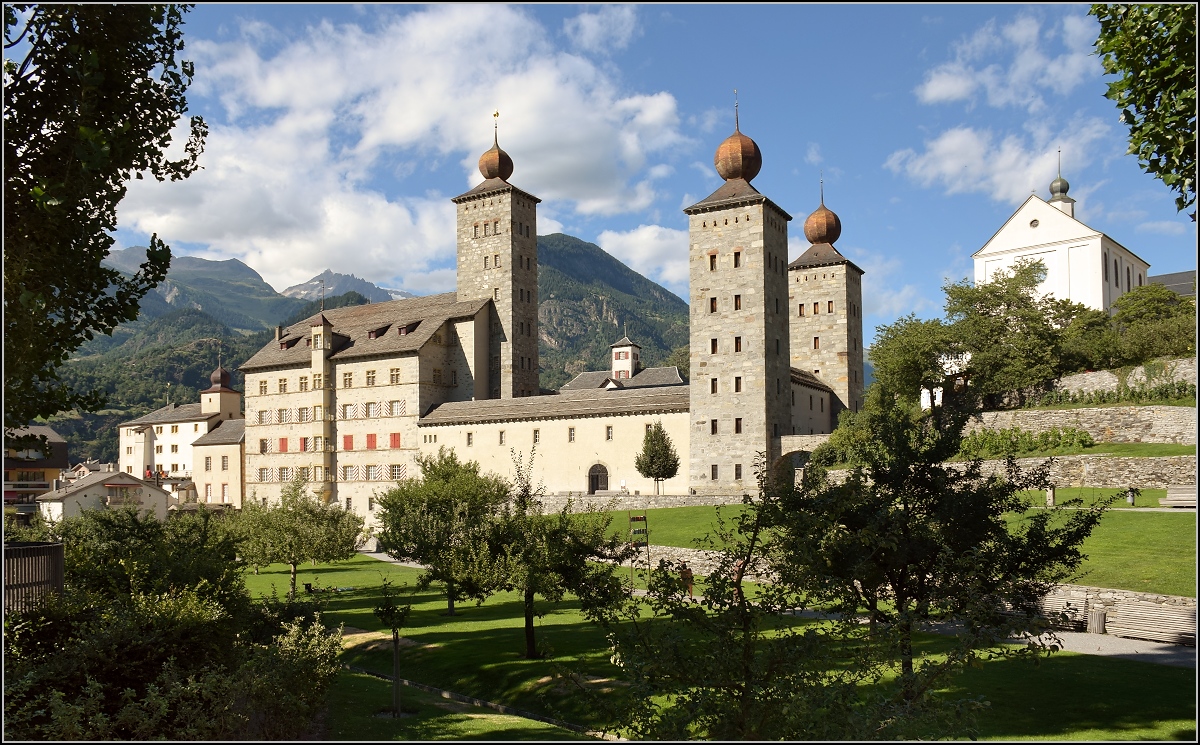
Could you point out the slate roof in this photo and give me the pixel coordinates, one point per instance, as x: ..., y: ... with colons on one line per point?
x: 584, y: 403
x: 1182, y: 282
x: 625, y: 342
x: 491, y: 185
x: 733, y: 192
x: 171, y: 413
x: 58, y: 449
x: 353, y: 327
x: 227, y: 432
x: 805, y: 378
x: 821, y: 254
x: 651, y: 376
x: 91, y: 480
x: 39, y: 430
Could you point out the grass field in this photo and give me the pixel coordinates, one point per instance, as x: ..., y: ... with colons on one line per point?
x: 1130, y: 550
x: 1069, y: 696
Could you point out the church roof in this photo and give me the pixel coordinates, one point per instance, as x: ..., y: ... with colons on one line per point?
x: 1045, y: 210
x: 367, y: 330
x: 171, y: 413
x: 227, y: 432
x: 1183, y: 283
x: 821, y: 254
x: 571, y: 404
x: 650, y: 376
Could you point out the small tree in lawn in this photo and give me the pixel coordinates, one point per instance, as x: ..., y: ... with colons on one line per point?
x: 394, y: 617
x: 444, y: 521
x: 299, y: 528
x: 658, y: 459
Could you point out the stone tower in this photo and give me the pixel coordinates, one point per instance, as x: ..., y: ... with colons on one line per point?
x: 497, y: 259
x: 740, y: 378
x: 825, y: 305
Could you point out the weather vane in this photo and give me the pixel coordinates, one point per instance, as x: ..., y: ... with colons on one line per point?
x: 822, y: 180
x: 735, y: 111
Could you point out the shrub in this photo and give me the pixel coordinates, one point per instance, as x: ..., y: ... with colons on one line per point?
x: 1161, y: 393
x: 1016, y: 441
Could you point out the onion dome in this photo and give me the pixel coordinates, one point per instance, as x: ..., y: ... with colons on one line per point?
x: 822, y: 226
x: 738, y: 157
x: 495, y: 163
x: 220, y: 378
x: 1059, y: 187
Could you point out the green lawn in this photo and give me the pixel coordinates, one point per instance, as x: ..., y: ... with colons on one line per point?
x: 1189, y: 402
x: 1091, y: 495
x: 477, y: 653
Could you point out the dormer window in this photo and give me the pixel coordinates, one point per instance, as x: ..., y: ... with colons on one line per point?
x: 376, y: 333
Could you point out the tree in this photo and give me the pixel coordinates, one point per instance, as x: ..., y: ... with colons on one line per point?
x: 681, y: 358
x: 658, y: 459
x: 92, y: 101
x: 912, y: 539
x: 909, y: 356
x: 553, y: 554
x: 297, y: 529
x: 444, y: 521
x: 1153, y: 50
x: 393, y: 616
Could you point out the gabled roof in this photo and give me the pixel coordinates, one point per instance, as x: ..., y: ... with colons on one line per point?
x: 805, y: 378
x: 227, y: 432
x: 822, y: 254
x: 171, y: 413
x: 367, y: 330
x: 649, y: 377
x: 1042, y: 210
x: 92, y: 479
x: 598, y: 402
x: 732, y: 193
x: 492, y: 186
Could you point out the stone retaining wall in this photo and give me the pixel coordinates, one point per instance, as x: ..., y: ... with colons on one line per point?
x: 1101, y: 471
x: 1168, y: 424
x: 1183, y: 370
x: 636, y: 502
x: 1107, y: 599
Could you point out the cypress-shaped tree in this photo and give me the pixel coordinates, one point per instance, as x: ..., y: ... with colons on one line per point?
x: 658, y: 459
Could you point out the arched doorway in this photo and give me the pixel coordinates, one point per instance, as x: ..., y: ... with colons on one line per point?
x: 597, y: 479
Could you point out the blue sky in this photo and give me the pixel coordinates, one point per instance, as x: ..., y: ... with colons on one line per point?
x: 339, y: 133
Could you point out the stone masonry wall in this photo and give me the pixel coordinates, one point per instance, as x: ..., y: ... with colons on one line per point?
x: 615, y: 500
x: 1183, y: 370
x: 1107, y: 599
x: 1168, y: 424
x: 1101, y: 471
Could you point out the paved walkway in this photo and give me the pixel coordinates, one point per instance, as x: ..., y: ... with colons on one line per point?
x: 1104, y: 645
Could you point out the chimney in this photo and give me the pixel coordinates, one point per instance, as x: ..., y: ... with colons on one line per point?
x: 278, y: 333
x: 54, y: 485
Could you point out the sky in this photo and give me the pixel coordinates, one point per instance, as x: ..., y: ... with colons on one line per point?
x: 339, y: 133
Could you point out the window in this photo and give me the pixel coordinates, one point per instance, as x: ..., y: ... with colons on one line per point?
x: 397, y: 472
x: 318, y: 473
x: 495, y: 293
x: 496, y: 227
x: 129, y: 450
x: 776, y: 346
x: 317, y: 341
x: 801, y: 310
x: 207, y: 463
x: 501, y: 437
x: 1116, y: 274
x: 370, y: 504
x: 283, y: 385
x: 305, y: 413
x: 347, y: 380
x: 810, y: 403
x: 305, y: 444
x: 822, y: 404
x: 264, y: 446
x: 319, y: 444
x: 347, y: 442
x: 830, y: 308
x: 347, y: 411
x: 174, y: 467
x: 737, y: 343
x: 608, y: 434
x: 1139, y: 279
x: 454, y: 376
x: 476, y: 235
x: 737, y: 426
x: 370, y: 442
x: 816, y: 308
x: 570, y: 434
x: 372, y: 473
x: 712, y: 426
x: 262, y: 387
x: 1105, y: 262
x: 437, y: 373
x: 304, y: 382
x: 224, y: 462
x: 713, y: 346
x: 285, y: 473
x: 158, y: 448
x: 264, y: 475
x: 712, y: 305
x: 470, y: 439
x: 394, y: 440
x: 714, y: 472
x: 284, y: 416
x: 318, y: 414
x: 737, y: 302
x: 712, y: 262
x: 737, y: 471
x: 816, y: 342
x: 224, y: 492
x: 485, y: 261
x: 496, y: 260
x: 370, y: 377
x: 174, y: 448
x: 394, y: 376
x: 302, y: 472
x: 737, y: 259
x: 174, y: 429
x: 1128, y: 281
x: 537, y: 436
x: 397, y: 408
x: 347, y: 473
x: 737, y: 384
x: 372, y: 410
x: 712, y: 385
x: 487, y: 229
x: 317, y: 381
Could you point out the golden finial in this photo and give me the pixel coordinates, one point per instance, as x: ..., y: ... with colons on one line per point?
x: 735, y: 111
x: 822, y: 175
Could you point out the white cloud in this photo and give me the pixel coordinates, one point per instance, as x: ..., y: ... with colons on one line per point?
x: 659, y: 253
x: 1013, y: 66
x: 882, y: 298
x: 1164, y: 227
x: 613, y: 27
x: 303, y: 128
x: 1007, y: 169
x: 812, y: 155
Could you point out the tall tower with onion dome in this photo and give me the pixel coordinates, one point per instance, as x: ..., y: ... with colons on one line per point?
x: 740, y: 376
x: 825, y: 305
x: 497, y: 260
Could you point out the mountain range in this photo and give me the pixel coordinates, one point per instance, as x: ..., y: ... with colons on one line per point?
x: 207, y: 310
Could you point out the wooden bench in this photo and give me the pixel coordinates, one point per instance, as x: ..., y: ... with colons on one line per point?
x: 1073, y: 611
x: 1138, y: 619
x: 1179, y: 495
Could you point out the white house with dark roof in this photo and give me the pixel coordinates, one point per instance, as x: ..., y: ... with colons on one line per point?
x: 105, y: 490
x: 219, y: 472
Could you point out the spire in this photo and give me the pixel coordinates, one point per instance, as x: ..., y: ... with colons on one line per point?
x: 822, y: 172
x: 495, y: 163
x: 736, y: 128
x: 738, y: 157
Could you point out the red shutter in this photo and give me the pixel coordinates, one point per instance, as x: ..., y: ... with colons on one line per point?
x: 395, y: 440
x: 347, y: 442
x: 304, y: 444
x: 283, y: 444
x: 370, y: 442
